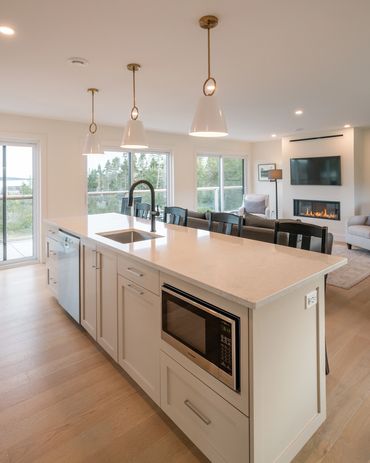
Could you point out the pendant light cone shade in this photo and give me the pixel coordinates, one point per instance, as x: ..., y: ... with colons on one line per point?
x: 209, y: 120
x: 134, y: 135
x: 92, y: 142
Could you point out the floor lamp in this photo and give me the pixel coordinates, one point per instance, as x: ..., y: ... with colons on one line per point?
x: 274, y: 176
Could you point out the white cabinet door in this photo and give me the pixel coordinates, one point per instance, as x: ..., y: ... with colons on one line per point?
x: 107, y: 301
x: 139, y: 335
x: 88, y: 287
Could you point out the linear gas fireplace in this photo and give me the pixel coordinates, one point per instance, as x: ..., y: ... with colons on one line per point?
x: 329, y: 210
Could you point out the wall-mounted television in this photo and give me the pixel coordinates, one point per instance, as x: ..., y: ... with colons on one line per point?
x: 315, y: 171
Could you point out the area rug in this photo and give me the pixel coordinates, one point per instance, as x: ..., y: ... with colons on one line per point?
x: 357, y: 269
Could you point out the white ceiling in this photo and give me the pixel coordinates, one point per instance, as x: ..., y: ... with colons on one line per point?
x: 270, y: 57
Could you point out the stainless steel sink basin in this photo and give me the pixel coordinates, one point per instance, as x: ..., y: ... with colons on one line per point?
x: 129, y: 236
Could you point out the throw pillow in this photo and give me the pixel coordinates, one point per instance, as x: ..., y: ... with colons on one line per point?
x: 257, y: 206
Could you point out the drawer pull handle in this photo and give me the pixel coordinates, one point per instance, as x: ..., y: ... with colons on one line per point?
x: 200, y: 415
x: 135, y: 289
x: 135, y: 272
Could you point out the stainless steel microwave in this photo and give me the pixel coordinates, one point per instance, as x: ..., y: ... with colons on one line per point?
x: 207, y: 335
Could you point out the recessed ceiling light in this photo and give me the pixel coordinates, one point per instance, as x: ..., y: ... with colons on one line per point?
x: 298, y: 112
x: 347, y: 126
x: 6, y: 30
x: 273, y: 135
x: 76, y: 61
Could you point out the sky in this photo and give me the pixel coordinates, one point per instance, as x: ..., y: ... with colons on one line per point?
x: 19, y: 161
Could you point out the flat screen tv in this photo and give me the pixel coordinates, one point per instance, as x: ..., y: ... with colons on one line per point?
x: 315, y: 171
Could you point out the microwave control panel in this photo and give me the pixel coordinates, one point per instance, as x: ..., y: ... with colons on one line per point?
x: 225, y: 346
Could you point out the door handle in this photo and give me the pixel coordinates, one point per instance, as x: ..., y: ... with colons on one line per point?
x: 194, y: 409
x: 138, y: 291
x: 98, y: 261
x: 94, y: 264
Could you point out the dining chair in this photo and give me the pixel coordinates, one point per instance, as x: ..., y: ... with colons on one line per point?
x: 224, y: 222
x: 176, y: 216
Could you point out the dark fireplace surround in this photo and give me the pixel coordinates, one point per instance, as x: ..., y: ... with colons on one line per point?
x: 316, y: 209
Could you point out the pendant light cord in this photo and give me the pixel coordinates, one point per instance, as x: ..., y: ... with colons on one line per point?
x: 135, y: 109
x: 93, y: 127
x: 133, y: 88
x: 209, y: 53
x: 209, y: 86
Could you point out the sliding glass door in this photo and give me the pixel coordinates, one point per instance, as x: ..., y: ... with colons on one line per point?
x: 110, y: 175
x: 17, y: 202
x: 220, y: 183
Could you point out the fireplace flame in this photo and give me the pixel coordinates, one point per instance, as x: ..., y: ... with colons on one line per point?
x: 322, y: 214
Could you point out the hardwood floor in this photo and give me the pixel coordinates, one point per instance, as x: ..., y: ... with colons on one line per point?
x: 63, y: 400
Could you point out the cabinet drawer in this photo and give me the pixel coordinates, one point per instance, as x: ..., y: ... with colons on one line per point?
x: 139, y: 273
x: 51, y: 231
x: 219, y: 430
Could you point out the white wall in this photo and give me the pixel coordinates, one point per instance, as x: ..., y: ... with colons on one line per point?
x: 63, y: 168
x: 266, y: 153
x: 342, y: 146
x: 362, y: 171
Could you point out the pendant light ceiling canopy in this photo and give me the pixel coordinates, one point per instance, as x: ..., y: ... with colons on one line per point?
x: 134, y: 136
x: 209, y: 120
x: 92, y: 142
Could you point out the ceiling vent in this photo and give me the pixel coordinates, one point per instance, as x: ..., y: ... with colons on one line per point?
x: 316, y: 138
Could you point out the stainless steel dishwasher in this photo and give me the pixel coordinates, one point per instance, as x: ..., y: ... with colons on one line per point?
x: 69, y: 274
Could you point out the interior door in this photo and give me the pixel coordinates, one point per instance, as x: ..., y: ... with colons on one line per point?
x: 17, y: 203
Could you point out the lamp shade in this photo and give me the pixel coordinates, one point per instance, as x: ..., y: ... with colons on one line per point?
x: 209, y: 120
x: 275, y: 174
x: 134, y: 135
x: 92, y: 144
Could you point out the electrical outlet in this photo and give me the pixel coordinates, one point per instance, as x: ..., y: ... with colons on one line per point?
x: 311, y: 299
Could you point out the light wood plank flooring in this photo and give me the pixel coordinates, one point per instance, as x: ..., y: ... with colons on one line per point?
x: 63, y: 400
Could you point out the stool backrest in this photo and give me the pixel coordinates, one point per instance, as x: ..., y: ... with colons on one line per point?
x: 176, y: 216
x: 225, y: 223
x: 304, y: 231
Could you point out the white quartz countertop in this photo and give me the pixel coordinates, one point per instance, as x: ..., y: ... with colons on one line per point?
x: 246, y: 271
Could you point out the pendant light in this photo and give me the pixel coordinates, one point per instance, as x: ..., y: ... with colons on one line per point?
x: 209, y: 120
x: 134, y: 134
x: 92, y: 143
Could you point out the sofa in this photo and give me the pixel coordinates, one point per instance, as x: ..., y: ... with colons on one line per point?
x: 358, y: 231
x: 256, y: 228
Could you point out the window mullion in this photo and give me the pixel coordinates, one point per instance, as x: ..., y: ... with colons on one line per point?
x: 222, y: 181
x: 130, y: 164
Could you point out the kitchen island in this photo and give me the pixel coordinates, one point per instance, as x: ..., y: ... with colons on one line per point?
x: 277, y: 294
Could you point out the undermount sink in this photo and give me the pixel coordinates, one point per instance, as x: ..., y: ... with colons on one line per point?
x: 129, y: 236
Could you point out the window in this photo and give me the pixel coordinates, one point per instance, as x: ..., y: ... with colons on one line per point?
x: 109, y: 177
x: 220, y: 182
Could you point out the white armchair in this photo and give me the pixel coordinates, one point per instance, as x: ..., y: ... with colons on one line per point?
x: 257, y: 204
x: 358, y: 231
